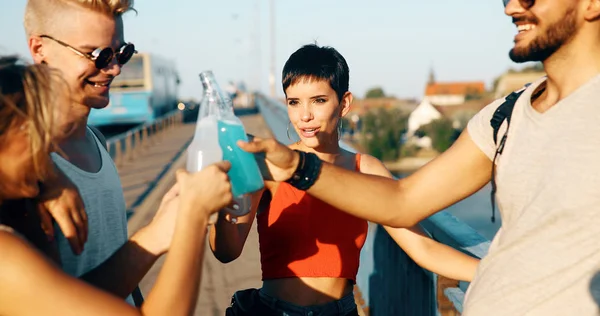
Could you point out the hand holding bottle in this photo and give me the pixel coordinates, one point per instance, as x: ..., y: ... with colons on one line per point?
x: 217, y: 132
x: 206, y: 191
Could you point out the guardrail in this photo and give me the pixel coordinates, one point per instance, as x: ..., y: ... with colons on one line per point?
x: 390, y: 282
x: 129, y: 145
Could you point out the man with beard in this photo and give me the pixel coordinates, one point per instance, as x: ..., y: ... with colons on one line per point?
x: 544, y: 257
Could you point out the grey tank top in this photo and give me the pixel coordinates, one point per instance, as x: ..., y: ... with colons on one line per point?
x: 102, y: 195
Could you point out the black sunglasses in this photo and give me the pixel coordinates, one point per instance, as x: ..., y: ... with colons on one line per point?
x: 526, y: 4
x: 101, y: 57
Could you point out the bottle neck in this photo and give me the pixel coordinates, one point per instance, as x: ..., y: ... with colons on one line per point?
x: 210, y: 85
x: 214, y: 100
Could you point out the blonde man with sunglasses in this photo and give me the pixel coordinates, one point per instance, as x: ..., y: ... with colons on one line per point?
x: 545, y: 259
x: 84, y: 40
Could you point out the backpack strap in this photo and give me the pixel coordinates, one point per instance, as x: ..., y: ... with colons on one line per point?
x: 503, y: 112
x: 137, y: 296
x: 99, y: 135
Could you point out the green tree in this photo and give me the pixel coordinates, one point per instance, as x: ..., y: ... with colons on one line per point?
x: 441, y: 132
x: 375, y: 93
x: 382, y: 132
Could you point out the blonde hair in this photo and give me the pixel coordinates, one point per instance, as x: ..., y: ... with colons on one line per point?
x: 26, y: 95
x: 41, y: 14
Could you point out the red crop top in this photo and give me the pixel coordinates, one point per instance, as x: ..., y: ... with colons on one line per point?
x: 302, y: 236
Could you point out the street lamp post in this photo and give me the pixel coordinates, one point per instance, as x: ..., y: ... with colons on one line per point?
x: 272, y: 72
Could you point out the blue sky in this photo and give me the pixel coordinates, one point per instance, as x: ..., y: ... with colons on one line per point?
x: 387, y: 43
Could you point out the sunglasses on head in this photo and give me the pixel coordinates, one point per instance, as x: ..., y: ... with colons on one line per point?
x: 101, y: 57
x: 526, y: 4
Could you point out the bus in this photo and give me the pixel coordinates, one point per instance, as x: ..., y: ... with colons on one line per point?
x: 145, y: 90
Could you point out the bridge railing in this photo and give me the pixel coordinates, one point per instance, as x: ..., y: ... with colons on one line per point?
x: 390, y: 282
x: 129, y: 145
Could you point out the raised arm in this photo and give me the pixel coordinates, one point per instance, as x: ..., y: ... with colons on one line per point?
x: 227, y: 239
x: 125, y: 268
x: 426, y: 252
x: 457, y: 173
x: 22, y: 268
x: 122, y: 272
x: 434, y: 256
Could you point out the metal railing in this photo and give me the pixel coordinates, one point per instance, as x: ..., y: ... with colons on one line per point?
x: 129, y: 145
x: 390, y: 282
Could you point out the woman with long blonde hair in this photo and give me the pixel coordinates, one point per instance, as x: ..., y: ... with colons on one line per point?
x: 30, y: 283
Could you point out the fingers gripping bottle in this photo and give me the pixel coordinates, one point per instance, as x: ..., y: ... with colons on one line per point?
x: 215, y: 138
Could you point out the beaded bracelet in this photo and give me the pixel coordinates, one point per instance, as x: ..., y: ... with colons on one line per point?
x: 307, y: 171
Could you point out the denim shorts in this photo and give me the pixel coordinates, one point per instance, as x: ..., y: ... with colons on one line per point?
x: 342, y: 307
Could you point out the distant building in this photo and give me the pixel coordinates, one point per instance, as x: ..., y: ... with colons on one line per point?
x: 452, y: 93
x: 422, y: 115
x: 455, y: 101
x: 458, y: 114
x: 362, y: 106
x: 461, y: 114
x: 513, y: 81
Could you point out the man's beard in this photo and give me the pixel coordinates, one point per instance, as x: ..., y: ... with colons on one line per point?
x: 543, y: 46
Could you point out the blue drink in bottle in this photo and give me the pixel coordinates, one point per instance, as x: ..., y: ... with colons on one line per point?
x: 217, y: 132
x: 244, y: 173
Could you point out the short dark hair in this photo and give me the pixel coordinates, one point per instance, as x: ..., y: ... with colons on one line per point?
x: 312, y: 62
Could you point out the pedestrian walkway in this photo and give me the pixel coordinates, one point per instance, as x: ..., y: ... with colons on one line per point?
x: 140, y: 175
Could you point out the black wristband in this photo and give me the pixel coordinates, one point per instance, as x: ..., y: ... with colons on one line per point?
x: 307, y: 172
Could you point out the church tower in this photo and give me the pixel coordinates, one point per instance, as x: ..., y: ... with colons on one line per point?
x: 431, y: 77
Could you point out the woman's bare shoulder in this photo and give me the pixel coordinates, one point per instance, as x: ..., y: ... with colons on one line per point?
x: 372, y: 165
